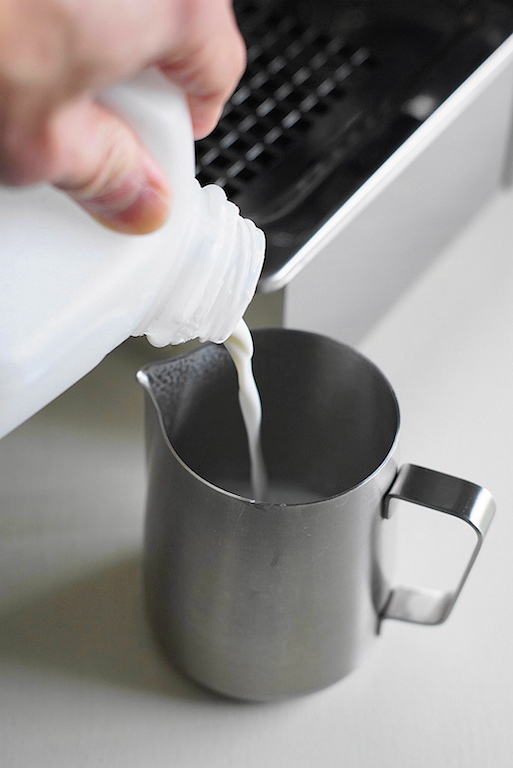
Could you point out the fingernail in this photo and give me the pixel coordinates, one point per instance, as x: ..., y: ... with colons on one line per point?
x: 145, y: 214
x: 148, y: 202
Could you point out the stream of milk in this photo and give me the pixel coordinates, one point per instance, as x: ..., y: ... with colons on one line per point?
x: 240, y: 347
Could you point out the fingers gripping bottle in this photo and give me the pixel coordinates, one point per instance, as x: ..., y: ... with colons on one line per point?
x: 71, y: 290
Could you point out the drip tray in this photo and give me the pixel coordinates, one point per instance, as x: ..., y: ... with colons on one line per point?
x: 329, y: 93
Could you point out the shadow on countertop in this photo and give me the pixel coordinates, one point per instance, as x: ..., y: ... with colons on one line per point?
x: 94, y: 628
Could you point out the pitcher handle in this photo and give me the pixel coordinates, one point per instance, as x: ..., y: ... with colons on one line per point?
x: 443, y: 493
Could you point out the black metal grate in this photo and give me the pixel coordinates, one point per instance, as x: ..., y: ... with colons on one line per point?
x: 295, y: 74
x: 331, y: 90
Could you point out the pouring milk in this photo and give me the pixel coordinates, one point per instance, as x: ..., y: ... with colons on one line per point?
x: 240, y: 347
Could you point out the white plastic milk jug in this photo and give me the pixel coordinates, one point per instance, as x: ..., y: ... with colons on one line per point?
x: 71, y: 290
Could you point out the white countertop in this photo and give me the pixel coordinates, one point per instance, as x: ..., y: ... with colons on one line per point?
x: 81, y: 683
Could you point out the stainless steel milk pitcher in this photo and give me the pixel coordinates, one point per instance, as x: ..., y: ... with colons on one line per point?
x: 261, y: 600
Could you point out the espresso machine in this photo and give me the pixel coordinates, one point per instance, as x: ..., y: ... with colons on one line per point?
x: 362, y: 137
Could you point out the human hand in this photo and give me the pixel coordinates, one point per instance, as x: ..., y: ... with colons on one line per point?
x: 57, y: 55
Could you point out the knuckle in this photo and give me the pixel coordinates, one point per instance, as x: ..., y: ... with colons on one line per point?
x: 110, y: 175
x: 25, y: 158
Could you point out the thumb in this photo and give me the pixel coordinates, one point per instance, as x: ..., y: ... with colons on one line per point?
x: 105, y: 168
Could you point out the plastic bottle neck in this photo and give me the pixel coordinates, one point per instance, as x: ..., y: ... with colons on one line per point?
x: 213, y: 278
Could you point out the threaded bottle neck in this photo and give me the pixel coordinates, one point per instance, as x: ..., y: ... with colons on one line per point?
x: 214, y: 276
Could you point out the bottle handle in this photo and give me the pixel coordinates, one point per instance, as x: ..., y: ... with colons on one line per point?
x: 470, y: 503
x: 158, y: 111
